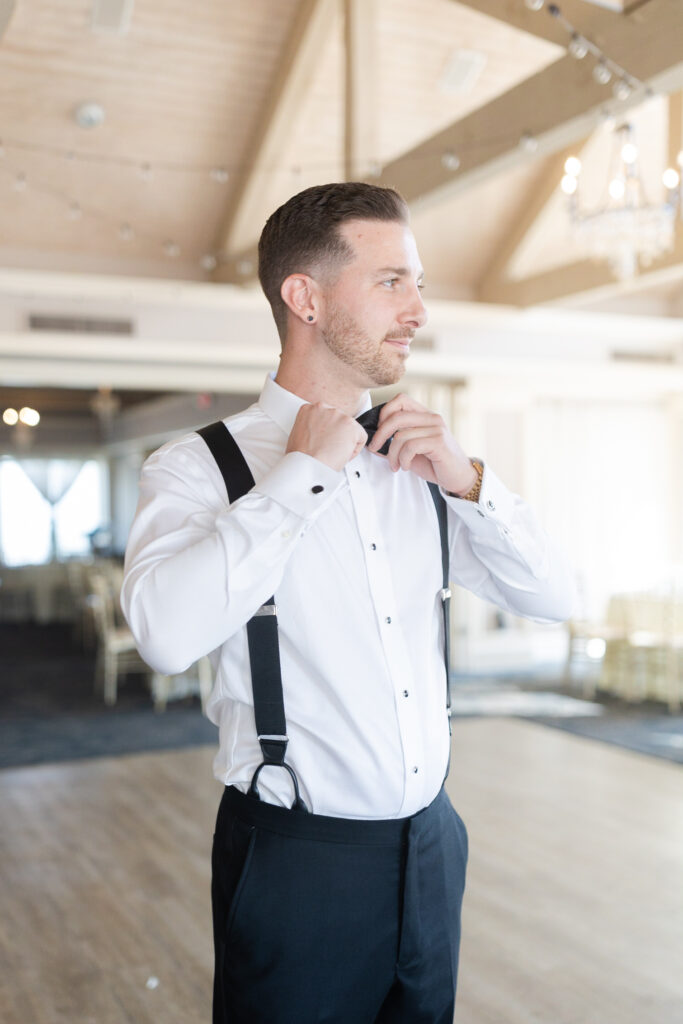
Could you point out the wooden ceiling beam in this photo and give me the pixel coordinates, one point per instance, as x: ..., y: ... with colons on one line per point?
x: 312, y: 24
x: 360, y: 99
x: 590, y: 21
x: 558, y: 106
x: 585, y: 276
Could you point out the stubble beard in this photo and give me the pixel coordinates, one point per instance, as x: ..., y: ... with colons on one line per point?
x: 377, y: 364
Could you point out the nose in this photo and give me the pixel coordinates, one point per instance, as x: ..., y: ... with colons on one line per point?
x: 415, y: 311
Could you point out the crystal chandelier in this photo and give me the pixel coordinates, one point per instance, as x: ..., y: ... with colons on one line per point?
x: 625, y: 230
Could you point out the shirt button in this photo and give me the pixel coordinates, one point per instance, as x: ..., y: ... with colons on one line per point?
x: 415, y: 770
x: 388, y: 620
x: 405, y: 693
x: 357, y: 473
x: 489, y: 504
x: 373, y: 547
x: 317, y: 489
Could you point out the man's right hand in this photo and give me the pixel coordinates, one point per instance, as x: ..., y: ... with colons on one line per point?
x: 326, y: 434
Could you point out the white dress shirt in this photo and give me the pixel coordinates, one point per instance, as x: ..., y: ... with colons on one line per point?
x: 356, y: 572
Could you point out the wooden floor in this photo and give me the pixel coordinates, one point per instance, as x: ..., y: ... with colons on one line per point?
x: 573, y: 913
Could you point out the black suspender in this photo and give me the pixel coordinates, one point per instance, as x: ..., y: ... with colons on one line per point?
x: 262, y: 633
x: 264, y: 649
x: 442, y: 516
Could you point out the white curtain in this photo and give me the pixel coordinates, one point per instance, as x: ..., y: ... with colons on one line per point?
x: 53, y: 478
x: 602, y: 484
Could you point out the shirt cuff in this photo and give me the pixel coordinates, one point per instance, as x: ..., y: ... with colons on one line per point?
x: 495, y: 503
x: 302, y: 484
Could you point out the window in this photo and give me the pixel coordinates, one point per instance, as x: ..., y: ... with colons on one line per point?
x: 30, y: 526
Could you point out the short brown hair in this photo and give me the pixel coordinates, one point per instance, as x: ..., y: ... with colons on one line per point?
x: 302, y: 235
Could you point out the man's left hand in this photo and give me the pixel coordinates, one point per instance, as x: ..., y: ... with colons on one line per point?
x: 423, y: 444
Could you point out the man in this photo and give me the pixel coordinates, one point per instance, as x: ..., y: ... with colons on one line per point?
x: 346, y: 906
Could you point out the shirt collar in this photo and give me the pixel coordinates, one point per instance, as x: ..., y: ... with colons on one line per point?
x: 283, y: 406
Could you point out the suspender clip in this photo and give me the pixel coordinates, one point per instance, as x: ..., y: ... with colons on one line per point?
x: 266, y: 609
x: 445, y: 594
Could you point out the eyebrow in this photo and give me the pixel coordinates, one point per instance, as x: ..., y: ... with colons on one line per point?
x: 398, y: 271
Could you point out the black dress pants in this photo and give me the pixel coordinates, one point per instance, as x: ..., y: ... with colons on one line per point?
x: 334, y: 920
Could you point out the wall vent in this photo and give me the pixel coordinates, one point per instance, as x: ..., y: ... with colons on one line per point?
x: 79, y: 325
x: 461, y: 72
x: 643, y: 357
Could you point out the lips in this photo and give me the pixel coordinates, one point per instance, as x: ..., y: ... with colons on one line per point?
x: 401, y: 343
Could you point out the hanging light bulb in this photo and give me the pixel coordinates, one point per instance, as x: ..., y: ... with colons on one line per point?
x: 629, y: 152
x: 617, y: 188
x: 601, y: 73
x: 569, y: 184
x: 572, y: 166
x: 577, y: 46
x: 671, y: 178
x: 10, y: 417
x: 534, y: 5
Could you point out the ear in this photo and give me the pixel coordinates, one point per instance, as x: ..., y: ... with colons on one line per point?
x: 300, y: 294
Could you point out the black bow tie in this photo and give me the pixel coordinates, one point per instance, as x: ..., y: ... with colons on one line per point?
x: 370, y: 421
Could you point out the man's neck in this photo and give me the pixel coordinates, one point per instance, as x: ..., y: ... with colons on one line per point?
x: 317, y: 384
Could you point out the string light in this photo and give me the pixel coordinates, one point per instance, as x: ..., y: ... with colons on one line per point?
x: 208, y: 262
x: 534, y: 5
x: 577, y: 46
x: 451, y: 161
x: 601, y: 73
x: 622, y: 89
x: 10, y: 417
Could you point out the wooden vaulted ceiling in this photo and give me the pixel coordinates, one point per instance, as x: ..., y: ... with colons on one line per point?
x: 284, y: 93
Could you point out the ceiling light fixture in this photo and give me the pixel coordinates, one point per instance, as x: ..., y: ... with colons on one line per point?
x: 89, y: 115
x: 625, y: 230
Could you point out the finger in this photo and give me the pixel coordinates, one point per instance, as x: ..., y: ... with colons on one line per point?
x: 405, y: 441
x: 403, y: 420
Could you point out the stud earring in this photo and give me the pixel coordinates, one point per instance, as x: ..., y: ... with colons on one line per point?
x: 310, y: 319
